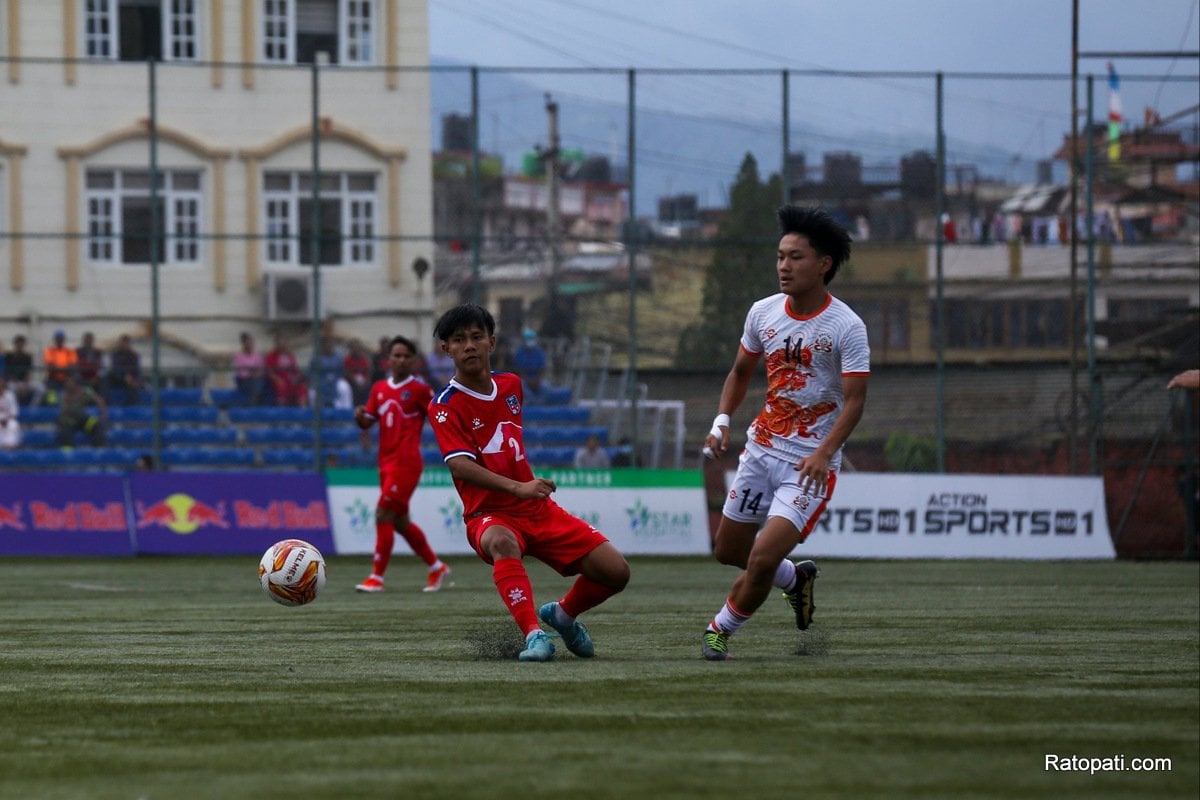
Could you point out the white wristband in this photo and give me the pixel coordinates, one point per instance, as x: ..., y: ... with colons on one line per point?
x: 721, y: 420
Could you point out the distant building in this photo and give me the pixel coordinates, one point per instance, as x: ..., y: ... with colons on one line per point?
x: 235, y: 206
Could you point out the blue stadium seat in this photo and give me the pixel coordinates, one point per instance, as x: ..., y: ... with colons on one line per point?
x: 38, y: 437
x: 340, y: 435
x: 175, y: 396
x: 337, y: 415
x: 225, y: 397
x: 200, y: 435
x: 131, y: 437
x: 192, y: 414
x: 208, y: 456
x: 556, y: 414
x: 131, y: 414
x: 431, y: 455
x: 288, y: 457
x: 278, y: 435
x: 270, y: 414
x: 552, y: 456
x: 551, y: 396
x: 38, y: 415
x: 351, y: 457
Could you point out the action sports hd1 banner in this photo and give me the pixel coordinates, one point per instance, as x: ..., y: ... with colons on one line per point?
x: 889, y: 515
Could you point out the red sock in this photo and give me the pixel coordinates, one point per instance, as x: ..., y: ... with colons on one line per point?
x: 512, y: 582
x: 419, y: 544
x: 385, y: 537
x: 584, y: 594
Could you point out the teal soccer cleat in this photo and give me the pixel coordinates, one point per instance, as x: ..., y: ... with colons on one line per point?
x: 538, y: 647
x: 574, y: 636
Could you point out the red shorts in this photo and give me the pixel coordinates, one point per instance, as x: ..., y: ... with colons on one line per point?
x: 396, y: 486
x: 551, y: 535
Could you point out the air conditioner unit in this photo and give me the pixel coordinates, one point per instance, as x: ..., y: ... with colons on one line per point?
x: 289, y: 295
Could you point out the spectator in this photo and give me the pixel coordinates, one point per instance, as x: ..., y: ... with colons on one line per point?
x: 592, y: 455
x: 89, y: 362
x: 441, y: 368
x: 60, y: 361
x: 124, y: 373
x: 382, y: 359
x: 356, y: 368
x: 530, y: 364
x: 75, y: 413
x: 502, y: 359
x: 327, y: 371
x: 10, y: 417
x: 18, y: 370
x: 248, y: 371
x: 284, y: 376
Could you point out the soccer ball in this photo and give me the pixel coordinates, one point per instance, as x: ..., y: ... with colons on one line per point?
x: 292, y: 572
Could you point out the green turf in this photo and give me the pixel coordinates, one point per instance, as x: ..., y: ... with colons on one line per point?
x: 178, y: 678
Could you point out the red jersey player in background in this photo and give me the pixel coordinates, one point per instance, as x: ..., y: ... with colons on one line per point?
x: 508, y: 512
x: 399, y: 404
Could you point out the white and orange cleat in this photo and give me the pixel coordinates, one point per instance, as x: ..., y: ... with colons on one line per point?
x: 436, y: 578
x: 371, y: 584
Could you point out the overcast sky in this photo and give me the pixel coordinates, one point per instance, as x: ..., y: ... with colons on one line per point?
x: 948, y: 35
x: 953, y: 36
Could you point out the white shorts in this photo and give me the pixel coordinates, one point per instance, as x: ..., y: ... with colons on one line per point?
x: 765, y: 486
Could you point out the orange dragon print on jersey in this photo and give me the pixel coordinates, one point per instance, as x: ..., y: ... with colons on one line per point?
x: 782, y: 416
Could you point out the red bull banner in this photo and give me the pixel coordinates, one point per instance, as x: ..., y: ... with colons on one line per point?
x: 63, y: 515
x: 221, y: 513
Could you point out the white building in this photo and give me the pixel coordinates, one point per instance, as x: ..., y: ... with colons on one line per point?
x: 234, y: 116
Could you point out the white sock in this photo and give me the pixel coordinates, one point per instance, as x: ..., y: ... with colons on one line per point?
x: 728, y: 619
x: 785, y: 576
x: 435, y: 566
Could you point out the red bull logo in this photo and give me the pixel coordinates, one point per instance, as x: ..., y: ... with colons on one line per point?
x: 10, y: 517
x: 181, y: 513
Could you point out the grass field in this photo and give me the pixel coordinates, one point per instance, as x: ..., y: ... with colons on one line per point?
x: 177, y: 678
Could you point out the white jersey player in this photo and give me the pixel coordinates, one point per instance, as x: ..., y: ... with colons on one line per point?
x: 817, y: 361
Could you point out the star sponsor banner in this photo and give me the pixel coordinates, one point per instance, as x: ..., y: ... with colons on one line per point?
x: 63, y: 514
x: 227, y: 513
x: 643, y: 512
x: 885, y: 515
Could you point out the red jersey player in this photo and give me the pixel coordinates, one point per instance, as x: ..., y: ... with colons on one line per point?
x: 508, y: 511
x: 398, y: 403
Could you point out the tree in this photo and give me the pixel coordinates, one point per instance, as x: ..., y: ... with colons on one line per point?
x: 739, y: 273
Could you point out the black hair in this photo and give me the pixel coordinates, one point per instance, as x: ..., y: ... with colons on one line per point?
x: 462, y: 317
x: 404, y: 340
x: 824, y: 233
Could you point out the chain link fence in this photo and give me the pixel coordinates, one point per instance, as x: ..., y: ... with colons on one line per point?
x: 1016, y: 325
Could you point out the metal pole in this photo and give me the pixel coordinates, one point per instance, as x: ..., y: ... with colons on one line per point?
x: 785, y: 172
x: 315, y: 238
x: 1095, y: 413
x: 476, y: 201
x: 550, y: 161
x: 631, y: 256
x: 1072, y: 323
x: 939, y: 235
x: 155, y: 242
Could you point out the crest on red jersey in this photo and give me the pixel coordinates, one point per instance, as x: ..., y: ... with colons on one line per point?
x: 514, y: 405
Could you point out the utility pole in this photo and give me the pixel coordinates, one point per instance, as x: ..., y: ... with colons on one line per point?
x: 550, y: 160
